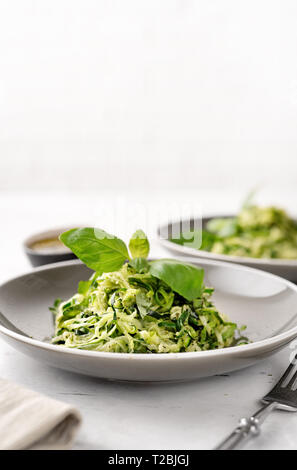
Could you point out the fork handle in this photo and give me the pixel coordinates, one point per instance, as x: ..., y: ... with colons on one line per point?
x: 247, y: 428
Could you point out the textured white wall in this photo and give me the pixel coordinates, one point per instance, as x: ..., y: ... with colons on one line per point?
x: 148, y: 93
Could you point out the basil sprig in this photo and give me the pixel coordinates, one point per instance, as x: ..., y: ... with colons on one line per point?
x: 103, y: 252
x: 139, y: 245
x: 185, y: 279
x: 96, y: 248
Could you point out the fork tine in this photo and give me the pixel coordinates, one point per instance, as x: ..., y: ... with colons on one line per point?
x: 292, y: 381
x: 287, y: 373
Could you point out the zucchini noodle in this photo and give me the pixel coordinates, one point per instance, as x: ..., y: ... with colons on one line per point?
x: 128, y: 312
x: 256, y: 232
x: 259, y: 232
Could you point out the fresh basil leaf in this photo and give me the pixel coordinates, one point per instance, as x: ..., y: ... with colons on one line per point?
x: 99, y: 250
x: 185, y: 279
x: 139, y: 245
x: 83, y: 287
x: 143, y: 304
x: 140, y: 265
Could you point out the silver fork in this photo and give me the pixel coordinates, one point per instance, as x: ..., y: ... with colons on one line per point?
x: 282, y: 397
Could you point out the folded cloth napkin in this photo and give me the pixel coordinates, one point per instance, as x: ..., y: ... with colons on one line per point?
x: 29, y: 420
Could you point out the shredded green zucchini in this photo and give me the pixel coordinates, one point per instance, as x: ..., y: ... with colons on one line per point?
x: 256, y: 232
x: 128, y: 312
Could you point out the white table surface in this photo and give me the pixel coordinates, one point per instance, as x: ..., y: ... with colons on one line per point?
x: 194, y: 415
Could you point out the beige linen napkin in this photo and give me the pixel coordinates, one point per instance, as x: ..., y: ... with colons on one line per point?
x: 29, y: 420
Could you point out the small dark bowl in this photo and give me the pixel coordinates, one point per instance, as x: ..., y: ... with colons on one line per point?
x: 41, y: 257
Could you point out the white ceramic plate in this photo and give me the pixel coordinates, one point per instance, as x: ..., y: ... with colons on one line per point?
x: 265, y: 303
x: 280, y: 267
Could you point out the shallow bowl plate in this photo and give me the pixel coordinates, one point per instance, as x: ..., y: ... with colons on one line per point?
x: 265, y: 303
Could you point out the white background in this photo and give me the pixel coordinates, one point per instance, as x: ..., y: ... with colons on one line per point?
x: 148, y: 95
x: 109, y: 102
